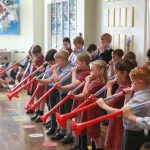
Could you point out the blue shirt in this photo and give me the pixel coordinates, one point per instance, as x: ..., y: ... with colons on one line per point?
x: 73, y: 55
x: 138, y: 98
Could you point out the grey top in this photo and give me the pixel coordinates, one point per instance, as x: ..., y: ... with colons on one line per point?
x: 138, y: 98
x: 143, y: 123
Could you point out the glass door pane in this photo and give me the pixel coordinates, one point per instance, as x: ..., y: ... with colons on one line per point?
x: 72, y: 18
x: 53, y: 25
x: 65, y: 7
x: 58, y: 25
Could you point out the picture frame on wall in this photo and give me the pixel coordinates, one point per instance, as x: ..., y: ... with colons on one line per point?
x: 117, y: 17
x: 111, y: 17
x: 130, y: 17
x: 123, y: 17
x: 106, y: 17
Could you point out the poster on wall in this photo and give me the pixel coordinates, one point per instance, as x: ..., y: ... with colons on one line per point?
x: 9, y: 17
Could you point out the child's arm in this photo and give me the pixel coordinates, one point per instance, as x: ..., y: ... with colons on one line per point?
x: 104, y: 106
x: 46, y: 81
x: 143, y: 123
x: 74, y: 83
x: 128, y: 93
x: 85, y: 92
x: 56, y: 77
x: 109, y: 87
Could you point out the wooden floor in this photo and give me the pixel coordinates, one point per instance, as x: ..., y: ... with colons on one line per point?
x: 13, y: 136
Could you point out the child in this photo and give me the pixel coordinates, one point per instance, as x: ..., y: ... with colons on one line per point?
x: 67, y: 45
x: 105, y: 50
x: 95, y: 81
x: 59, y: 71
x: 13, y: 73
x: 131, y: 57
x: 148, y: 56
x: 113, y: 137
x: 91, y: 48
x: 133, y: 137
x: 78, y: 75
x: 116, y: 57
x: 141, y: 122
x: 37, y: 61
x: 4, y: 79
x: 78, y: 48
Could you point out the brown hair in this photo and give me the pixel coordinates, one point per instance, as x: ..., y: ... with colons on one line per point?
x: 101, y: 65
x: 124, y: 65
x: 62, y: 54
x: 131, y: 57
x: 107, y: 37
x: 78, y: 40
x: 141, y: 73
x: 118, y: 52
x: 36, y: 49
x: 84, y: 57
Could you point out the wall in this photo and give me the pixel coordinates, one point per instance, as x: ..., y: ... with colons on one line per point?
x: 32, y: 27
x: 139, y: 31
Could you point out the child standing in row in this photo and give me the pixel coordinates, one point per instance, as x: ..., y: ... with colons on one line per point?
x: 94, y: 82
x: 78, y: 48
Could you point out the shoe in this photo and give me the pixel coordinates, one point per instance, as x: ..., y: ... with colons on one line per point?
x: 147, y: 145
x: 50, y: 131
x: 76, y: 147
x: 58, y: 136
x: 35, y: 115
x: 57, y: 131
x: 30, y: 112
x: 38, y: 120
x: 47, y: 123
x: 48, y: 126
x: 67, y: 139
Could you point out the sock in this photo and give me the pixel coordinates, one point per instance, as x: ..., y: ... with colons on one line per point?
x: 37, y: 112
x: 93, y: 145
x: 84, y: 141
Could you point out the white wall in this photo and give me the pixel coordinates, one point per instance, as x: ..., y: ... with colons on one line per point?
x: 31, y: 27
x: 138, y: 31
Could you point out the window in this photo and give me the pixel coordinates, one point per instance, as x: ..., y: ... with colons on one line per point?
x: 63, y: 21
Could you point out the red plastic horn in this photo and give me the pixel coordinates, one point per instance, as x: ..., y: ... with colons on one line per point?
x: 3, y: 72
x: 22, y: 82
x: 43, y: 97
x: 11, y: 95
x: 77, y: 128
x: 44, y: 118
x: 33, y: 95
x: 26, y: 86
x: 28, y: 77
x: 49, y: 92
x: 61, y: 119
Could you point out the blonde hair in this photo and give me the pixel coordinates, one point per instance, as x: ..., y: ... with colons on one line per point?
x: 84, y: 57
x: 62, y: 54
x: 101, y: 66
x: 106, y: 37
x: 141, y: 73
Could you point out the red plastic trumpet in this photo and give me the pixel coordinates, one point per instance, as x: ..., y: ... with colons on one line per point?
x: 78, y: 127
x: 61, y: 119
x: 33, y: 95
x: 29, y: 76
x: 49, y: 92
x: 26, y: 86
x: 44, y: 118
x: 3, y: 72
